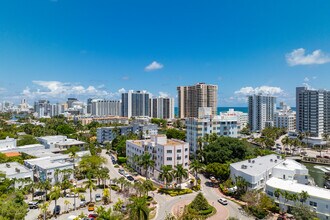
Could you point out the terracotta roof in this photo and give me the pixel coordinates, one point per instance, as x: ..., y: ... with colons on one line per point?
x: 12, y: 154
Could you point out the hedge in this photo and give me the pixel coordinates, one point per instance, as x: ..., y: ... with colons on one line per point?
x: 121, y: 160
x: 175, y: 192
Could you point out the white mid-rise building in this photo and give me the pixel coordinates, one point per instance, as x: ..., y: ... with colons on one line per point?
x: 164, y: 152
x: 242, y: 118
x: 7, y: 144
x: 258, y: 170
x: 318, y: 200
x: 261, y: 111
x: 16, y: 171
x: 206, y: 123
x: 285, y: 118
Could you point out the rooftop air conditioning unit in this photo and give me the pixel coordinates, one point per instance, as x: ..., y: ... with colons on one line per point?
x: 249, y: 160
x: 271, y: 160
x: 7, y: 165
x: 253, y: 161
x: 17, y: 170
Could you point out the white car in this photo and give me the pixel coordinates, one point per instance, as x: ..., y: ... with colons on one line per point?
x: 98, y: 198
x: 223, y: 201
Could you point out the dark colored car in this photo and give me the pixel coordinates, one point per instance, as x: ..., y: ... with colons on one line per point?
x: 130, y: 178
x: 38, y: 193
x: 57, y: 210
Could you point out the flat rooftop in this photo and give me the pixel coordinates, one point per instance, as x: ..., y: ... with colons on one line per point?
x: 258, y: 165
x: 292, y: 186
x: 11, y: 168
x: 50, y: 163
x: 289, y: 164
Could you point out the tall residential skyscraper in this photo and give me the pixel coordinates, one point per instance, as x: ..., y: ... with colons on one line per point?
x: 162, y: 108
x: 261, y: 111
x: 190, y: 98
x: 102, y: 107
x: 71, y: 101
x: 313, y: 111
x: 135, y: 104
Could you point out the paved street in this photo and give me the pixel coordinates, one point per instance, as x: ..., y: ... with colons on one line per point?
x: 165, y: 204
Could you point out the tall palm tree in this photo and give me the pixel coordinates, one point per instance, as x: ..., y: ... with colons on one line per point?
x: 138, y: 208
x: 303, y: 196
x: 44, y: 209
x: 75, y: 192
x: 196, y: 167
x: 44, y: 185
x: 285, y: 141
x: 55, y: 194
x: 179, y: 173
x: 147, y: 162
x: 166, y: 174
x: 66, y: 203
x: 277, y: 193
x: 148, y: 186
x: 91, y: 186
x: 139, y: 188
x: 108, y: 214
x: 199, y: 153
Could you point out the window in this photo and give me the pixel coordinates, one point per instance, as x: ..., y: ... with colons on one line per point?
x: 169, y: 158
x: 186, y: 164
x: 186, y: 149
x: 169, y: 151
x: 270, y: 193
x: 178, y: 151
x: 178, y: 158
x: 311, y: 203
x: 186, y: 156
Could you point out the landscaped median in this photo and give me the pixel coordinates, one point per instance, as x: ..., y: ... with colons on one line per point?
x: 174, y: 192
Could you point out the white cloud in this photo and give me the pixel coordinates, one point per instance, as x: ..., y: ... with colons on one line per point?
x: 2, y: 90
x: 267, y: 90
x: 298, y: 57
x: 163, y: 94
x: 306, y: 79
x: 153, y: 66
x: 57, y: 89
x: 122, y: 90
x: 125, y: 78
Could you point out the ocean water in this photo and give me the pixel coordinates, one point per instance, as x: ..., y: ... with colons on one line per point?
x: 225, y: 109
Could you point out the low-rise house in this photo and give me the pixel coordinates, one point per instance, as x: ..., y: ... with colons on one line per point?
x: 8, y: 144
x: 258, y: 170
x: 59, y: 142
x: 318, y: 200
x: 16, y: 171
x: 44, y: 168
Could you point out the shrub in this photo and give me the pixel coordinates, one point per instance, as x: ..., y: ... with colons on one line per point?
x: 175, y: 192
x: 196, y: 188
x: 81, y: 189
x: 116, y: 166
x: 115, y: 187
x: 121, y: 160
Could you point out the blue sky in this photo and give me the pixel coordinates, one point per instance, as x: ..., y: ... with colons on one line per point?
x: 60, y: 48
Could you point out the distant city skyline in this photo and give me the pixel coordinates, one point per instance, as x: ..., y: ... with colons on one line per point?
x: 55, y: 49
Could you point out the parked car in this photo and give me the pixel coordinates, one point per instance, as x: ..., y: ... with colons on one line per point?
x: 38, y: 193
x: 57, y: 210
x: 82, y: 202
x: 33, y: 205
x: 130, y: 178
x: 93, y: 216
x: 223, y: 201
x: 98, y: 198
x: 123, y: 208
x: 91, y: 207
x: 121, y: 171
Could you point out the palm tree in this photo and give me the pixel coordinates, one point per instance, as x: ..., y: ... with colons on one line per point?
x: 108, y: 214
x: 121, y: 181
x: 66, y: 203
x: 104, y: 175
x: 45, y: 185
x: 179, y: 173
x: 147, y: 162
x: 148, y: 186
x: 303, y: 196
x: 91, y: 186
x: 277, y: 193
x: 285, y: 141
x: 55, y: 194
x: 57, y: 176
x: 138, y: 208
x: 196, y: 167
x: 44, y: 209
x: 106, y: 196
x: 166, y: 174
x: 139, y: 188
x: 200, y: 142
x: 75, y: 192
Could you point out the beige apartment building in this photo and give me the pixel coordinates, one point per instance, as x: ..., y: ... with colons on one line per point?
x: 190, y: 98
